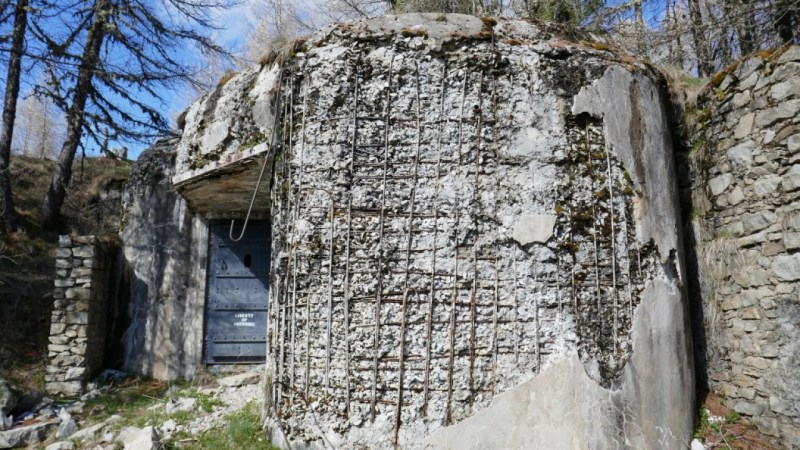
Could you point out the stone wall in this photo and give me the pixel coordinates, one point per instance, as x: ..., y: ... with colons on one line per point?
x: 78, y: 324
x: 462, y: 210
x: 746, y: 216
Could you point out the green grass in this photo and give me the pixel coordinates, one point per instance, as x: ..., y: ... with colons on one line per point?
x: 243, y: 431
x: 132, y: 402
x: 204, y: 402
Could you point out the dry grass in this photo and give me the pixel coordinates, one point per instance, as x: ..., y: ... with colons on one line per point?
x: 281, y: 53
x: 225, y: 78
x: 732, y: 432
x: 413, y: 32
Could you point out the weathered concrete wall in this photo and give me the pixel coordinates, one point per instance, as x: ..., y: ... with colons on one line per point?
x: 164, y: 246
x: 747, y: 224
x: 78, y: 323
x: 462, y: 210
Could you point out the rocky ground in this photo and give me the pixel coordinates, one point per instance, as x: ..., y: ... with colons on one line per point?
x: 133, y: 414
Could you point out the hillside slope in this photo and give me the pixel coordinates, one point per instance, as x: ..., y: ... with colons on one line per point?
x: 26, y: 258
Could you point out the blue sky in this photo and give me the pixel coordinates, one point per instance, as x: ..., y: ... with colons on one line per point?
x: 235, y: 23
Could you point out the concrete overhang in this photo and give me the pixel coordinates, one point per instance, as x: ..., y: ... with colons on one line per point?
x: 223, y: 189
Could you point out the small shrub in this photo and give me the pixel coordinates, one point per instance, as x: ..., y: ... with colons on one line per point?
x: 488, y: 22
x: 732, y: 417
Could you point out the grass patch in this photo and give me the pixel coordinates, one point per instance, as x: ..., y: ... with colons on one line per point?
x: 225, y: 78
x: 205, y: 402
x: 719, y: 427
x: 242, y: 431
x: 130, y: 402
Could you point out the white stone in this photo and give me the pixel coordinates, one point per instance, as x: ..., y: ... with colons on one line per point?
x: 88, y: 433
x: 766, y: 185
x: 758, y: 220
x: 791, y: 180
x: 742, y: 98
x: 133, y: 438
x: 75, y: 373
x: 63, y: 445
x: 781, y: 91
x: 216, y: 133
x: 169, y: 426
x: 697, y: 445
x: 533, y: 228
x: 68, y: 427
x: 718, y: 184
x: 792, y: 54
x: 786, y: 267
x: 240, y: 379
x: 791, y: 240
x: 781, y: 407
x: 793, y: 143
x: 745, y: 126
x: 741, y: 156
x: 736, y: 196
x: 28, y: 435
x: 180, y: 404
x: 783, y: 110
x: 749, y: 409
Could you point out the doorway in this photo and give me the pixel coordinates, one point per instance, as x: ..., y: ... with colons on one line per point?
x: 237, y: 293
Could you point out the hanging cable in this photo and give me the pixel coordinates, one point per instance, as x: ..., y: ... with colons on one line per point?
x: 276, y: 108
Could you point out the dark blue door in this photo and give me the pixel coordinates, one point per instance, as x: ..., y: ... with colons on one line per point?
x: 238, y: 284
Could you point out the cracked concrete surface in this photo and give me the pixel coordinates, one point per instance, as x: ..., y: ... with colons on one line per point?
x: 475, y: 238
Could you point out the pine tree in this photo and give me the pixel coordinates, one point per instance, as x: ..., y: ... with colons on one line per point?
x: 130, y: 50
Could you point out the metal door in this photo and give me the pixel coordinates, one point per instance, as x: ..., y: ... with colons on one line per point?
x: 236, y: 303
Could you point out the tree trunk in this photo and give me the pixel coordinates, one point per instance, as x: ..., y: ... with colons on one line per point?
x: 784, y: 16
x: 51, y: 208
x: 745, y: 27
x: 9, y: 214
x: 639, y: 21
x: 704, y: 65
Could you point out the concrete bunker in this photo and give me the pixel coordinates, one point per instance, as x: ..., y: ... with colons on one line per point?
x: 468, y: 221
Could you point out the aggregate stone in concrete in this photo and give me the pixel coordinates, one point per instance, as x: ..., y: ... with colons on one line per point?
x: 438, y: 230
x: 533, y: 228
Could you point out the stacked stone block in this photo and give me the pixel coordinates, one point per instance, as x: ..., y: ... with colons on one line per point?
x: 746, y: 200
x: 78, y: 322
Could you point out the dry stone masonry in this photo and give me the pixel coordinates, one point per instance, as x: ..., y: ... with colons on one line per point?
x: 746, y: 172
x: 473, y: 221
x: 78, y: 323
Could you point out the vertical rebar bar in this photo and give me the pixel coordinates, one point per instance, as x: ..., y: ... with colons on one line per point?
x: 378, y: 297
x: 432, y: 295
x: 613, y: 250
x: 346, y: 288
x: 409, y: 242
